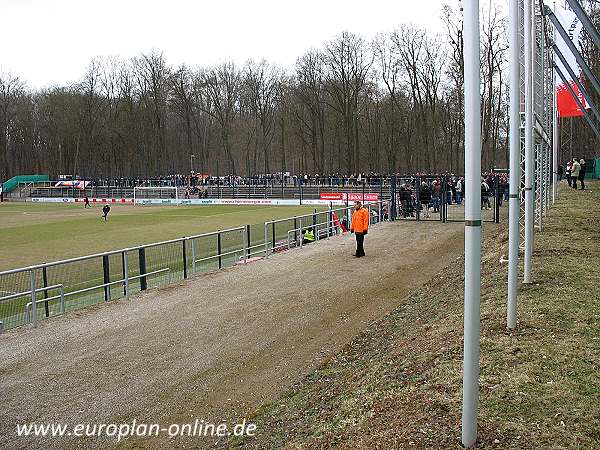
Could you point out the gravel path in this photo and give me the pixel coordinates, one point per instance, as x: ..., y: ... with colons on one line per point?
x: 212, y: 348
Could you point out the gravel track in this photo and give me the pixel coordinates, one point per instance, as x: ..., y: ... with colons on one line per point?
x: 215, y: 347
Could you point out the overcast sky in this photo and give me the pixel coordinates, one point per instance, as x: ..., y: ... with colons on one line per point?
x: 48, y: 42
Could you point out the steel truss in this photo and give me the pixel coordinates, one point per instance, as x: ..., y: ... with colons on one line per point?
x: 543, y: 110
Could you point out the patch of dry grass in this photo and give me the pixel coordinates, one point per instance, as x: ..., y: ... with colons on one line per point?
x: 398, y: 384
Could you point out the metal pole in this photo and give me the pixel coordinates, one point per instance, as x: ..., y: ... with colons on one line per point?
x: 555, y: 140
x: 244, y: 247
x: 266, y: 239
x: 184, y: 258
x: 273, y: 237
x: 529, y: 161
x: 62, y: 299
x: 45, y: 280
x: 142, y: 265
x: 193, y: 245
x: 418, y: 199
x: 33, y: 298
x: 126, y: 273
x: 106, y: 277
x: 472, y: 288
x: 295, y: 231
x: 497, y: 199
x: 248, y: 241
x: 219, y: 250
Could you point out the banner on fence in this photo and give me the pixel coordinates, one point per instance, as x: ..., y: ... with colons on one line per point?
x: 216, y: 201
x: 52, y: 200
x: 331, y: 196
x: 80, y: 200
x: 352, y: 197
x: 105, y: 200
x: 367, y: 197
x: 209, y: 201
x: 77, y: 184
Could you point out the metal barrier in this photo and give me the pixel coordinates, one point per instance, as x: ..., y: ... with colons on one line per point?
x: 320, y: 228
x: 102, y: 277
x: 105, y: 276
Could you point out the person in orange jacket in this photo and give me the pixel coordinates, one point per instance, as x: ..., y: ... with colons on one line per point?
x: 360, y: 227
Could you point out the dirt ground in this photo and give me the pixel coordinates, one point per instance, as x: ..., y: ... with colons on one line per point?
x: 212, y: 348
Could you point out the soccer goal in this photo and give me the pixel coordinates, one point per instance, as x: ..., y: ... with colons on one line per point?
x: 148, y: 193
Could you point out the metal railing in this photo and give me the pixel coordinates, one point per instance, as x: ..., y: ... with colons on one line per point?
x: 109, y: 275
x: 102, y: 277
x: 320, y: 227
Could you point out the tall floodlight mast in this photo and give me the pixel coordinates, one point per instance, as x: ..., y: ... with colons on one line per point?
x: 515, y: 166
x: 472, y: 223
x: 529, y: 161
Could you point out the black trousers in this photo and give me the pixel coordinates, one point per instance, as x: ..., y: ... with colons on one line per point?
x: 360, y: 239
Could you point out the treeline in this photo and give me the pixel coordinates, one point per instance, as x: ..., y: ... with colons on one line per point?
x: 391, y: 105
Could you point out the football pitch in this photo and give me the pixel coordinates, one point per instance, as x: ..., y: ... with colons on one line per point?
x: 36, y: 233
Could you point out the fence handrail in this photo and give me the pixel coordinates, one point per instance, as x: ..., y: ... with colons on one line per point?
x: 23, y: 294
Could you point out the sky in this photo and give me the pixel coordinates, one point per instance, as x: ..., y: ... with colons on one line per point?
x: 51, y: 42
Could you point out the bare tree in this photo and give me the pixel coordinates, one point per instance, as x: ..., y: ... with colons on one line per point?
x: 261, y: 81
x: 347, y: 66
x: 11, y: 89
x: 223, y: 84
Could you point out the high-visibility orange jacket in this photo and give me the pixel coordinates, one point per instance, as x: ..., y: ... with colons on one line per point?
x: 360, y: 220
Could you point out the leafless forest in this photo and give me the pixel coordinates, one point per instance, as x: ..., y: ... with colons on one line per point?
x: 393, y: 104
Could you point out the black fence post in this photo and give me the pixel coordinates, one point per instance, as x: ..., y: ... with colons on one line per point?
x: 314, y: 227
x: 142, y: 261
x: 45, y: 277
x: 440, y: 207
x: 219, y: 249
x: 300, y: 180
x: 392, y: 211
x: 123, y: 267
x: 444, y: 201
x: 418, y: 199
x: 497, y: 199
x: 184, y: 257
x: 106, y: 272
x: 248, y: 244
